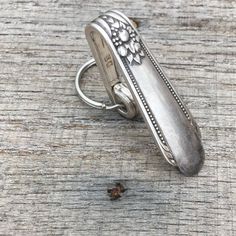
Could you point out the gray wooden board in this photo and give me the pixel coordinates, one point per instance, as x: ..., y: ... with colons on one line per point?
x: 58, y: 156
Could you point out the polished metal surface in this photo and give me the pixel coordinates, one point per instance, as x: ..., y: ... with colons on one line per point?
x: 125, y: 61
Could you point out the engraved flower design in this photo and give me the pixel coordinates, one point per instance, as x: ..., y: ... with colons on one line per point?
x: 125, y: 39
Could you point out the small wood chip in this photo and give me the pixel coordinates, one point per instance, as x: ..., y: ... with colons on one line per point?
x: 116, y: 192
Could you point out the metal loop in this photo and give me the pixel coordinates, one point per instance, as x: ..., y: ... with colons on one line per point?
x: 87, y: 100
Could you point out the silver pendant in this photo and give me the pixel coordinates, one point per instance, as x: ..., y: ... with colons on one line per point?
x: 136, y: 84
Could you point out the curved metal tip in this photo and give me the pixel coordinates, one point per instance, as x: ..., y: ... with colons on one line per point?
x: 192, y: 163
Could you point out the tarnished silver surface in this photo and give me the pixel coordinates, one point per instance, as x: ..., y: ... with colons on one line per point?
x: 123, y: 58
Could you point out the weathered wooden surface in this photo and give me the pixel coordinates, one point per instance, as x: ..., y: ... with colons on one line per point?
x: 59, y: 156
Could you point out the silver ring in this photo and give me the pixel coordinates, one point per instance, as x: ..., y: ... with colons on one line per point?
x: 87, y: 100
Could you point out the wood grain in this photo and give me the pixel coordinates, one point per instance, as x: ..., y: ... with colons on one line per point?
x: 59, y: 156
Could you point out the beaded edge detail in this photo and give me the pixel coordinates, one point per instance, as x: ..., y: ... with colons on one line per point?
x: 149, y: 112
x: 147, y: 108
x: 133, y: 52
x: 169, y: 86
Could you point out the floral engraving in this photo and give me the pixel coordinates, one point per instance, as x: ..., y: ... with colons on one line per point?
x: 125, y: 39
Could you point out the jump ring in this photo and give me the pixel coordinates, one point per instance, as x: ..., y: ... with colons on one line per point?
x: 87, y: 100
